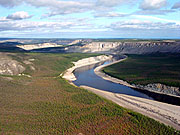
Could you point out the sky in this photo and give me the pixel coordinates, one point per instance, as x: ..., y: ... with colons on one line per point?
x: 90, y: 19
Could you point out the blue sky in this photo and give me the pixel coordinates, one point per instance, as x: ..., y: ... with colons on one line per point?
x: 90, y: 18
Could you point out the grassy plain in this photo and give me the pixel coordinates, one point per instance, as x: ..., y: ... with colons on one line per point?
x: 47, y: 104
x: 145, y: 69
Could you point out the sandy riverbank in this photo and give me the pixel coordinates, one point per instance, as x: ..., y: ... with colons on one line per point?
x: 98, y: 72
x: 68, y: 75
x: 165, y: 113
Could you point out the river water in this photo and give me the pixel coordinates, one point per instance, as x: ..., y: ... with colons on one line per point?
x: 86, y: 76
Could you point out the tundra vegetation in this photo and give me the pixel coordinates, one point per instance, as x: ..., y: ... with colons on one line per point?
x: 150, y: 68
x: 47, y: 104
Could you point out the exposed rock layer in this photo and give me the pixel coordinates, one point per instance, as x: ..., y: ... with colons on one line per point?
x: 160, y: 88
x: 38, y: 46
x: 9, y: 66
x: 127, y: 47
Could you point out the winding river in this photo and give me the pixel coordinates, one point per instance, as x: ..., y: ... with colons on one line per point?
x: 166, y: 113
x: 86, y: 76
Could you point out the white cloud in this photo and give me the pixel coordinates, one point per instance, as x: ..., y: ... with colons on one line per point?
x: 152, y: 4
x: 61, y: 7
x: 154, y: 12
x: 19, y: 16
x: 17, y: 22
x: 3, y: 19
x: 100, y: 8
x: 54, y: 6
x: 156, y: 19
x: 33, y: 26
x: 110, y: 14
x: 143, y: 25
x: 108, y: 3
x: 10, y: 3
x: 176, y: 5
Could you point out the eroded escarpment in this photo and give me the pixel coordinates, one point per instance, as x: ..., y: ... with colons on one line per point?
x: 38, y: 46
x: 128, y: 47
x: 29, y: 47
x: 9, y: 66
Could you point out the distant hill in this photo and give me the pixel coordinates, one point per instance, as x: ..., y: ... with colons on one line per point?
x: 10, y: 47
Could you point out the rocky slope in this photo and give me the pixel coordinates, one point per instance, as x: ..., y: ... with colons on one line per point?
x: 160, y: 88
x: 9, y: 66
x: 128, y: 47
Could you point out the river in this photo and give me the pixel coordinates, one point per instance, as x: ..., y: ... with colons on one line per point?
x: 86, y: 76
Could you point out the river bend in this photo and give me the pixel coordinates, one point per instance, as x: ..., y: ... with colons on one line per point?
x: 86, y: 76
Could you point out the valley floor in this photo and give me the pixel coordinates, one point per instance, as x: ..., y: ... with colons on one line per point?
x: 39, y: 102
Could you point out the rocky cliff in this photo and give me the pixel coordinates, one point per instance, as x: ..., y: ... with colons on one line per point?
x: 128, y: 47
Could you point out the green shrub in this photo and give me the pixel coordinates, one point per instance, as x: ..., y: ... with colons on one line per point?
x: 86, y: 98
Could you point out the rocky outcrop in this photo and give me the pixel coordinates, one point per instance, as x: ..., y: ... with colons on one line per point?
x: 160, y: 88
x: 127, y: 47
x: 68, y: 75
x: 9, y: 66
x: 75, y: 42
x: 38, y: 46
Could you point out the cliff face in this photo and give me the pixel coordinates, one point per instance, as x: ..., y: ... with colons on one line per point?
x: 127, y: 47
